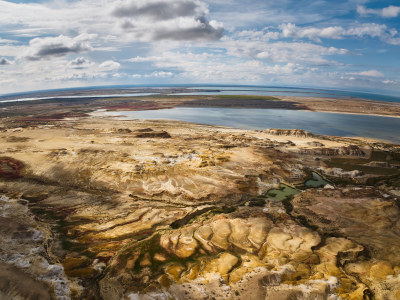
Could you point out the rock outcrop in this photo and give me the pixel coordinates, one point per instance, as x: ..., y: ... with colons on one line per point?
x: 153, y: 134
x: 289, y: 132
x: 351, y: 150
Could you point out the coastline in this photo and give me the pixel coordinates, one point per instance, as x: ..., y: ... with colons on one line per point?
x: 34, y: 113
x: 355, y: 113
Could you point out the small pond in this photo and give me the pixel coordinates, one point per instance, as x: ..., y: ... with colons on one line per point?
x: 282, y: 193
x: 316, y: 181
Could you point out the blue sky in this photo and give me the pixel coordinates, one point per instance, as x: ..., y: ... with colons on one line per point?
x: 344, y: 44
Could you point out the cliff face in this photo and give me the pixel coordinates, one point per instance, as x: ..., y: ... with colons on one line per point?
x: 351, y: 150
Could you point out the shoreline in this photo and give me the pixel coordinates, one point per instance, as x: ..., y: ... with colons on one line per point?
x: 34, y: 113
x: 357, y: 114
x: 88, y: 103
x: 229, y: 128
x: 309, y: 110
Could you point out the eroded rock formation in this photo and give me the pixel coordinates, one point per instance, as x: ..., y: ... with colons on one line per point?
x: 111, y: 209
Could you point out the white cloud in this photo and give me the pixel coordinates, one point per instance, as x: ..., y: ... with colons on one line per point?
x: 292, y: 31
x: 80, y: 63
x: 155, y: 74
x: 161, y: 74
x: 386, y: 12
x: 369, y: 73
x: 391, y: 11
x: 373, y: 30
x: 205, y: 67
x: 142, y: 20
x: 172, y: 57
x: 180, y: 41
x: 160, y: 10
x: 181, y: 20
x: 280, y: 52
x: 54, y: 18
x: 57, y: 72
x: 389, y: 82
x: 40, y: 48
x: 109, y: 65
x: 4, y: 61
x: 6, y: 41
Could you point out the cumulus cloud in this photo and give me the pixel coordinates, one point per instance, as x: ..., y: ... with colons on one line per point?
x: 281, y: 51
x: 386, y: 12
x: 206, y: 67
x: 167, y: 20
x: 369, y: 73
x: 40, y: 48
x: 292, y: 31
x: 159, y: 10
x: 4, y: 61
x: 109, y: 65
x: 80, y: 63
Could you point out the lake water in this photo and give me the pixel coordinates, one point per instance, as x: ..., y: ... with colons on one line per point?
x: 289, y: 91
x: 218, y: 90
x: 79, y: 97
x: 383, y: 128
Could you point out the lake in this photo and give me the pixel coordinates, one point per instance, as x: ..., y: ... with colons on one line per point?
x: 383, y: 128
x: 288, y: 91
x: 216, y: 90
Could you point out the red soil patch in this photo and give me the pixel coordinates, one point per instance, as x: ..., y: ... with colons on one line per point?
x: 133, y: 107
x: 10, y: 168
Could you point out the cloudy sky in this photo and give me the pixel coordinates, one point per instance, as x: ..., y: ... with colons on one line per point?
x: 346, y: 44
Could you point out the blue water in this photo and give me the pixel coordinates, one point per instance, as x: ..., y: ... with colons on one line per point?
x: 231, y: 90
x: 383, y: 128
x: 79, y: 97
x: 289, y: 91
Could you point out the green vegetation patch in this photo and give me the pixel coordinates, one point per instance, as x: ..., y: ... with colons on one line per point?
x: 282, y: 193
x: 246, y: 97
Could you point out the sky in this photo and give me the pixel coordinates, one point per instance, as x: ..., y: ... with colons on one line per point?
x: 341, y: 44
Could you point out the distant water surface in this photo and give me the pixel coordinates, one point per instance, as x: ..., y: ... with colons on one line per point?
x: 213, y: 90
x: 383, y: 128
x: 79, y: 97
x: 288, y: 91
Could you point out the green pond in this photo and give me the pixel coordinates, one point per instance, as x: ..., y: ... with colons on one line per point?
x: 285, y: 191
x: 282, y: 193
x: 316, y: 181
